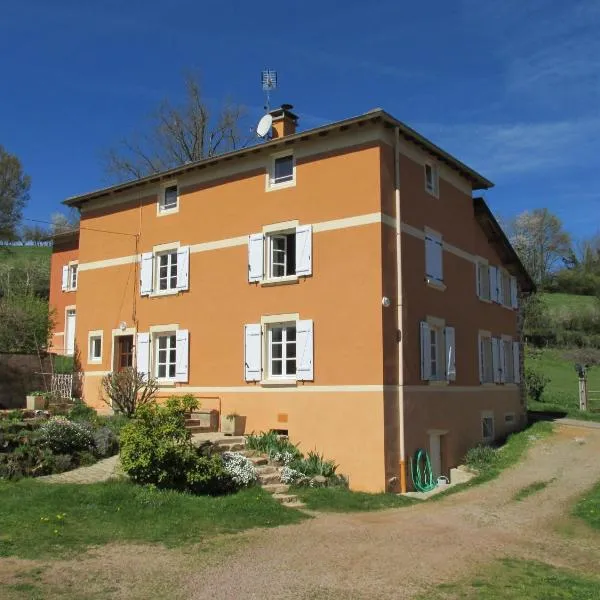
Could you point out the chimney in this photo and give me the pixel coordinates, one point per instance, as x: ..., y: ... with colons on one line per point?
x: 284, y: 121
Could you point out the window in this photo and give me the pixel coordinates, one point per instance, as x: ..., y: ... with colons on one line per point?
x: 282, y: 350
x: 166, y: 271
x: 282, y: 171
x: 508, y: 373
x: 438, y: 351
x: 432, y: 179
x: 285, y: 346
x: 506, y: 289
x: 486, y: 360
x: 487, y: 427
x: 73, y: 276
x: 433, y: 258
x: 280, y: 254
x: 69, y: 277
x: 509, y: 418
x: 169, y: 198
x: 483, y: 281
x: 166, y: 356
x: 95, y: 347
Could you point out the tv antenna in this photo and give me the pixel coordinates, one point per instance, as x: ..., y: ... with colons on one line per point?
x: 269, y: 83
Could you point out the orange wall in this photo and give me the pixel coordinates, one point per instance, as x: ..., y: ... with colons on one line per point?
x: 61, y: 255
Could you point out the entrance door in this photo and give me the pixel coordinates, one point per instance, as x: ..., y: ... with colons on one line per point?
x: 70, y: 332
x: 124, y: 353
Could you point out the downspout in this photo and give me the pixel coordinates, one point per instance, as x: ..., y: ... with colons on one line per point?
x: 399, y: 307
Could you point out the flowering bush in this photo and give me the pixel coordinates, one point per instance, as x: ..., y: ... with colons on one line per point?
x: 285, y: 457
x: 240, y: 468
x: 290, y: 476
x: 66, y: 437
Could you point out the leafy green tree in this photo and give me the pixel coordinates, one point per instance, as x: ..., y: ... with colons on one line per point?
x: 14, y: 194
x: 25, y: 323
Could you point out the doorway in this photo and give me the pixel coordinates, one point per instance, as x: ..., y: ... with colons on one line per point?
x: 436, y: 451
x: 124, y: 352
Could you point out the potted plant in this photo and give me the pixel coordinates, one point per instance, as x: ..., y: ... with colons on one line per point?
x: 36, y: 401
x: 233, y: 424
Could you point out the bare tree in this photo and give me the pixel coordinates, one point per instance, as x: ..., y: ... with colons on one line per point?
x: 176, y: 136
x: 14, y: 194
x: 36, y: 234
x: 61, y: 222
x: 540, y: 241
x: 126, y: 390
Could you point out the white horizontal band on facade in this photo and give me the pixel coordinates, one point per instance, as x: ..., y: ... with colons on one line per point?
x: 345, y: 223
x: 420, y: 234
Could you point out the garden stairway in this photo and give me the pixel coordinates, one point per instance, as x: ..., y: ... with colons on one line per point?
x: 269, y: 473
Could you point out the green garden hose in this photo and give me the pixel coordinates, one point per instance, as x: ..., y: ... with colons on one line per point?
x: 421, y: 473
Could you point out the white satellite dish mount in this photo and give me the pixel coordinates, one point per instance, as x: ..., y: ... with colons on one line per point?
x: 268, y: 78
x: 263, y: 129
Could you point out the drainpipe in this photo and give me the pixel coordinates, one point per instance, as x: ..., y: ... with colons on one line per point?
x: 399, y: 307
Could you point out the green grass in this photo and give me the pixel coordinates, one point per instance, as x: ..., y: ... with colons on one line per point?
x: 558, y: 303
x: 17, y: 253
x: 532, y: 488
x: 511, y: 579
x: 561, y: 393
x: 588, y: 507
x: 38, y: 519
x: 340, y: 499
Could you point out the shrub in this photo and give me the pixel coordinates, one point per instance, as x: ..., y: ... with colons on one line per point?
x: 240, y: 468
x: 481, y: 457
x: 80, y: 411
x: 272, y: 444
x: 156, y: 449
x: 106, y: 442
x: 127, y: 390
x: 66, y: 437
x: 535, y: 382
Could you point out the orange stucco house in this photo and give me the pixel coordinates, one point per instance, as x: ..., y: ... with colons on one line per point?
x: 342, y: 284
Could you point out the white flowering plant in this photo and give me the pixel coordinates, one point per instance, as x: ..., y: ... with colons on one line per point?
x: 239, y: 468
x: 290, y: 476
x: 66, y: 437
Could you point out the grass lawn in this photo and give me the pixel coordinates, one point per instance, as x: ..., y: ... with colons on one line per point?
x: 588, y: 507
x: 532, y: 488
x: 561, y: 393
x: 44, y: 520
x: 337, y: 499
x: 569, y: 302
x: 511, y: 579
x: 16, y: 253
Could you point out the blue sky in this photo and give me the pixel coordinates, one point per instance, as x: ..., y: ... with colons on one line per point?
x: 512, y: 88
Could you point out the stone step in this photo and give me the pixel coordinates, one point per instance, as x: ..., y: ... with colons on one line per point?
x: 285, y: 498
x: 297, y: 504
x: 193, y: 422
x: 229, y: 447
x: 258, y: 460
x: 268, y: 478
x: 266, y: 469
x: 197, y: 429
x: 231, y: 440
x: 276, y: 488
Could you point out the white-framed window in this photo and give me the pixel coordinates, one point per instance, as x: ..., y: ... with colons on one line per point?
x: 434, y: 270
x: 483, y: 280
x: 69, y: 277
x: 507, y: 361
x: 165, y: 271
x: 282, y: 171
x: 438, y: 351
x: 486, y: 358
x: 165, y: 357
x: 168, y: 199
x: 279, y: 350
x: 487, y: 427
x: 95, y: 346
x: 280, y: 254
x: 432, y: 179
x: 506, y: 290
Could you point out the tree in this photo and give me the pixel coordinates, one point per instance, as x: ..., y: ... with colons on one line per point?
x: 14, y: 194
x: 62, y: 223
x: 540, y: 241
x: 176, y: 136
x: 36, y: 234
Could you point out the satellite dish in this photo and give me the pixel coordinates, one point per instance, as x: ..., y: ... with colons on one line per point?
x: 264, y: 126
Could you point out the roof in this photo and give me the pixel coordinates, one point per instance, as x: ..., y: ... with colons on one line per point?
x: 377, y: 115
x: 497, y: 238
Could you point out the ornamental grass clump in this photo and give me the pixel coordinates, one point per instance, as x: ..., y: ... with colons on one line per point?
x: 62, y: 436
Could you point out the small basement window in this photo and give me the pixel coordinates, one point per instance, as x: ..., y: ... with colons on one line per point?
x: 487, y: 427
x: 282, y: 170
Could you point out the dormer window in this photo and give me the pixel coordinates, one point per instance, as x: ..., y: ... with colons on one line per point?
x: 282, y: 171
x: 169, y: 199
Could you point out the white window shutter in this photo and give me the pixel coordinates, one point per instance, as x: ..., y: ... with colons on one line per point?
x: 142, y: 354
x: 449, y: 336
x: 425, y: 352
x: 502, y: 354
x: 304, y: 349
x: 147, y: 264
x: 183, y: 268
x: 481, y: 354
x: 496, y: 359
x: 182, y: 345
x: 434, y: 258
x: 256, y: 260
x: 65, y: 278
x: 253, y: 352
x: 517, y: 362
x: 493, y: 284
x: 514, y: 300
x: 500, y: 285
x: 304, y: 250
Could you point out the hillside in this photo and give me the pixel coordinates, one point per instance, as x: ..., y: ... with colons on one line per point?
x: 559, y: 303
x: 17, y: 253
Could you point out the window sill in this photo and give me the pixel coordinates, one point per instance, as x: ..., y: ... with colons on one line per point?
x: 272, y: 187
x: 95, y: 361
x: 435, y: 284
x: 167, y: 211
x: 433, y: 193
x: 438, y: 382
x: 280, y: 281
x: 485, y: 300
x: 166, y: 382
x: 489, y: 384
x: 279, y: 383
x: 70, y: 290
x: 165, y: 293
